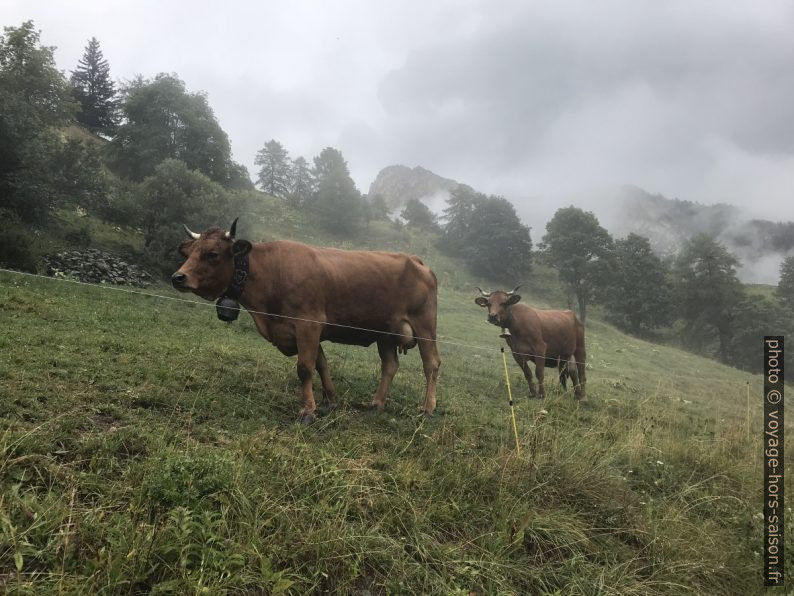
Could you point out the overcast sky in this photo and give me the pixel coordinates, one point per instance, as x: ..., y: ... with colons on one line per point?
x: 547, y: 103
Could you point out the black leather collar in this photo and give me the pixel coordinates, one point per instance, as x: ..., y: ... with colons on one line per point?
x: 228, y: 305
x: 240, y: 275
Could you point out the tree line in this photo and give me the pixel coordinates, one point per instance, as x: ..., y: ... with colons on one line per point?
x: 158, y: 155
x: 697, y: 295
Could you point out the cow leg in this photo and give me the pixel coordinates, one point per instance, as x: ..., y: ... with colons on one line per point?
x: 431, y: 361
x: 329, y: 393
x: 389, y: 363
x: 308, y: 339
x: 578, y: 389
x: 540, y: 367
x: 563, y: 372
x: 523, y: 364
x: 570, y: 367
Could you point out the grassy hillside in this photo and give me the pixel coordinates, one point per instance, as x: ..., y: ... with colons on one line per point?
x: 146, y: 446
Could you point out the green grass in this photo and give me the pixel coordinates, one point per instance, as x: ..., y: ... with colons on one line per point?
x: 147, y: 447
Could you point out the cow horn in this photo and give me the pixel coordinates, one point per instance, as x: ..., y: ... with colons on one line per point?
x: 230, y: 234
x: 513, y: 291
x: 483, y: 293
x: 191, y: 234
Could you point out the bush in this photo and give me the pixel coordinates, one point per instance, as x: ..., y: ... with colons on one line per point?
x: 16, y: 249
x: 78, y: 237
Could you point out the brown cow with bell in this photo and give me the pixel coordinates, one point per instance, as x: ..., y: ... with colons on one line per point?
x: 300, y: 296
x: 545, y: 337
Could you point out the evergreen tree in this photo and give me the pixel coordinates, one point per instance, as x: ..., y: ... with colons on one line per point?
x: 751, y: 320
x: 785, y: 287
x: 336, y: 201
x: 274, y: 173
x: 579, y: 249
x: 378, y: 208
x: 418, y: 215
x: 708, y: 293
x: 301, y: 183
x: 639, y: 296
x: 457, y: 217
x: 95, y: 92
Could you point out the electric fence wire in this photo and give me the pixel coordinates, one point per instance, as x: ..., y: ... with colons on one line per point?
x: 280, y: 316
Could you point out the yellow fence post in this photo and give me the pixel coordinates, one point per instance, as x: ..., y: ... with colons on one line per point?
x: 510, y: 395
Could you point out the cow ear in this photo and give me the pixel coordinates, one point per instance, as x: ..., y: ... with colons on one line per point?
x: 482, y: 301
x: 513, y: 299
x: 241, y: 248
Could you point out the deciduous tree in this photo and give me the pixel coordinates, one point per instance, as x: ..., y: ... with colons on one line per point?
x: 639, y: 296
x: 579, y: 249
x: 418, y: 215
x: 708, y: 293
x: 34, y: 104
x: 164, y: 121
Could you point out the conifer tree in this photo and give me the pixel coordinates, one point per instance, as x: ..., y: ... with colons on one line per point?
x: 274, y: 174
x: 95, y: 92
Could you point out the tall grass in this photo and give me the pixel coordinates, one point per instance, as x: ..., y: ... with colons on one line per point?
x: 147, y: 447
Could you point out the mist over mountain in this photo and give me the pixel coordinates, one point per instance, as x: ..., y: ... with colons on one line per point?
x: 399, y: 184
x: 760, y: 245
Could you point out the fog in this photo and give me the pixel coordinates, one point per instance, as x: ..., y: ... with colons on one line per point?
x: 547, y: 104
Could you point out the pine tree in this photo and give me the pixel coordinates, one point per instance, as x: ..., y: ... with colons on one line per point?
x: 378, y: 208
x: 94, y: 90
x: 274, y: 175
x: 337, y: 200
x: 457, y: 217
x: 301, y: 183
x: 785, y: 287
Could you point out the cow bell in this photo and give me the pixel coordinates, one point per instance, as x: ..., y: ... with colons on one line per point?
x: 228, y: 309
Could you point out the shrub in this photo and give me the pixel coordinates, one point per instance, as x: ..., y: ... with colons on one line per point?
x: 16, y: 249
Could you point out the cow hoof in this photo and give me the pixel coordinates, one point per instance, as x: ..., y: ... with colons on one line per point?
x: 375, y: 407
x: 330, y: 407
x: 308, y: 418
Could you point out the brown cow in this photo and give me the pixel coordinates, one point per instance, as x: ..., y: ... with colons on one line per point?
x: 314, y: 294
x: 545, y: 337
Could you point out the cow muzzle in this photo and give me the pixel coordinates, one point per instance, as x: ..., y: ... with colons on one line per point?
x: 178, y: 280
x: 494, y: 320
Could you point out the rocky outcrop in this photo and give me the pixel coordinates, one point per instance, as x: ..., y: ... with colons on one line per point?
x: 95, y: 266
x: 399, y: 184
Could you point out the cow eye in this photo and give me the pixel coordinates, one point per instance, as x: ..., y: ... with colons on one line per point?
x: 213, y: 256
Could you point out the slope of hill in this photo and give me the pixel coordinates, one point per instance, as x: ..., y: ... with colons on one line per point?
x: 399, y: 184
x: 760, y: 245
x: 146, y: 446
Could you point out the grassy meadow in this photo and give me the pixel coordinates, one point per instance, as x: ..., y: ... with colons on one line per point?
x: 147, y: 447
